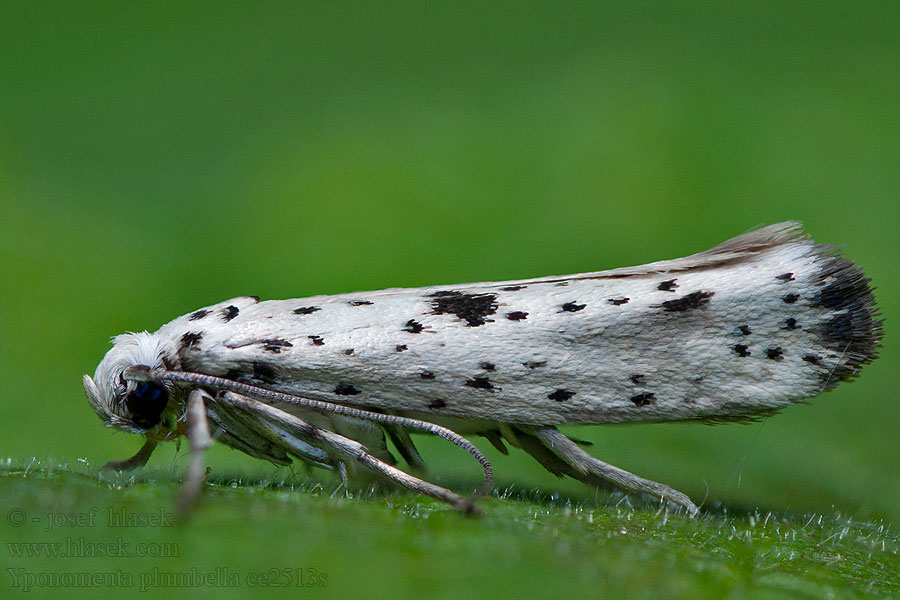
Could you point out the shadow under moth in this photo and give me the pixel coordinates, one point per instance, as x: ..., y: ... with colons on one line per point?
x: 734, y: 333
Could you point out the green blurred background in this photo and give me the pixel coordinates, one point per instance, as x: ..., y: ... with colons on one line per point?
x: 158, y: 157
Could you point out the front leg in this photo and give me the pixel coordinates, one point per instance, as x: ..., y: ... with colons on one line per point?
x: 135, y: 462
x: 291, y: 429
x: 199, y: 441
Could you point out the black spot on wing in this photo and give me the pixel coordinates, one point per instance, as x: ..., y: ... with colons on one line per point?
x: 643, y: 399
x: 400, y: 347
x: 812, y: 358
x: 437, y: 403
x: 306, y: 310
x: 741, y: 350
x: 535, y: 364
x: 560, y: 395
x: 196, y: 316
x: 688, y: 302
x: 230, y: 312
x: 516, y: 315
x: 426, y: 375
x: 189, y: 340
x: 791, y: 323
x: 775, y: 353
x: 618, y: 301
x: 413, y: 326
x: 790, y: 298
x: 316, y: 340
x: 785, y: 277
x: 345, y: 389
x: 667, y: 286
x: 488, y: 366
x: 744, y: 330
x: 275, y: 345
x: 359, y: 303
x: 348, y: 351
x: 637, y: 379
x: 513, y: 288
x: 471, y: 308
x: 572, y: 307
x: 480, y: 383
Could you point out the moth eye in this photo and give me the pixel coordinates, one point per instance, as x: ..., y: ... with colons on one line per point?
x: 146, y: 403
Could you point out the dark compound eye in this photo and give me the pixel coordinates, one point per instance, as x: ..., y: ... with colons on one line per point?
x: 146, y: 403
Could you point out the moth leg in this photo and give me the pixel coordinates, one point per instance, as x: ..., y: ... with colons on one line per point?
x: 496, y: 439
x: 415, y: 484
x: 367, y: 433
x: 589, y: 469
x: 342, y: 471
x: 405, y: 447
x: 268, y: 397
x: 290, y: 428
x: 240, y: 430
x: 135, y: 462
x: 547, y: 457
x: 200, y: 441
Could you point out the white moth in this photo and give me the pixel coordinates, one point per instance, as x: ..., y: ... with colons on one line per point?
x: 737, y: 332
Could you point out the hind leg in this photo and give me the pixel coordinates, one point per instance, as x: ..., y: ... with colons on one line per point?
x: 562, y: 456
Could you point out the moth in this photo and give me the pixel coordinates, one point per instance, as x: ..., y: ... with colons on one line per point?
x: 733, y: 333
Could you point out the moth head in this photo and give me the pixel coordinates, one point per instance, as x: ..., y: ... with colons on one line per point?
x: 147, y: 407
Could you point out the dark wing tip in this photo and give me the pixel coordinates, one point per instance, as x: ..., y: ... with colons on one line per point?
x: 855, y: 327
